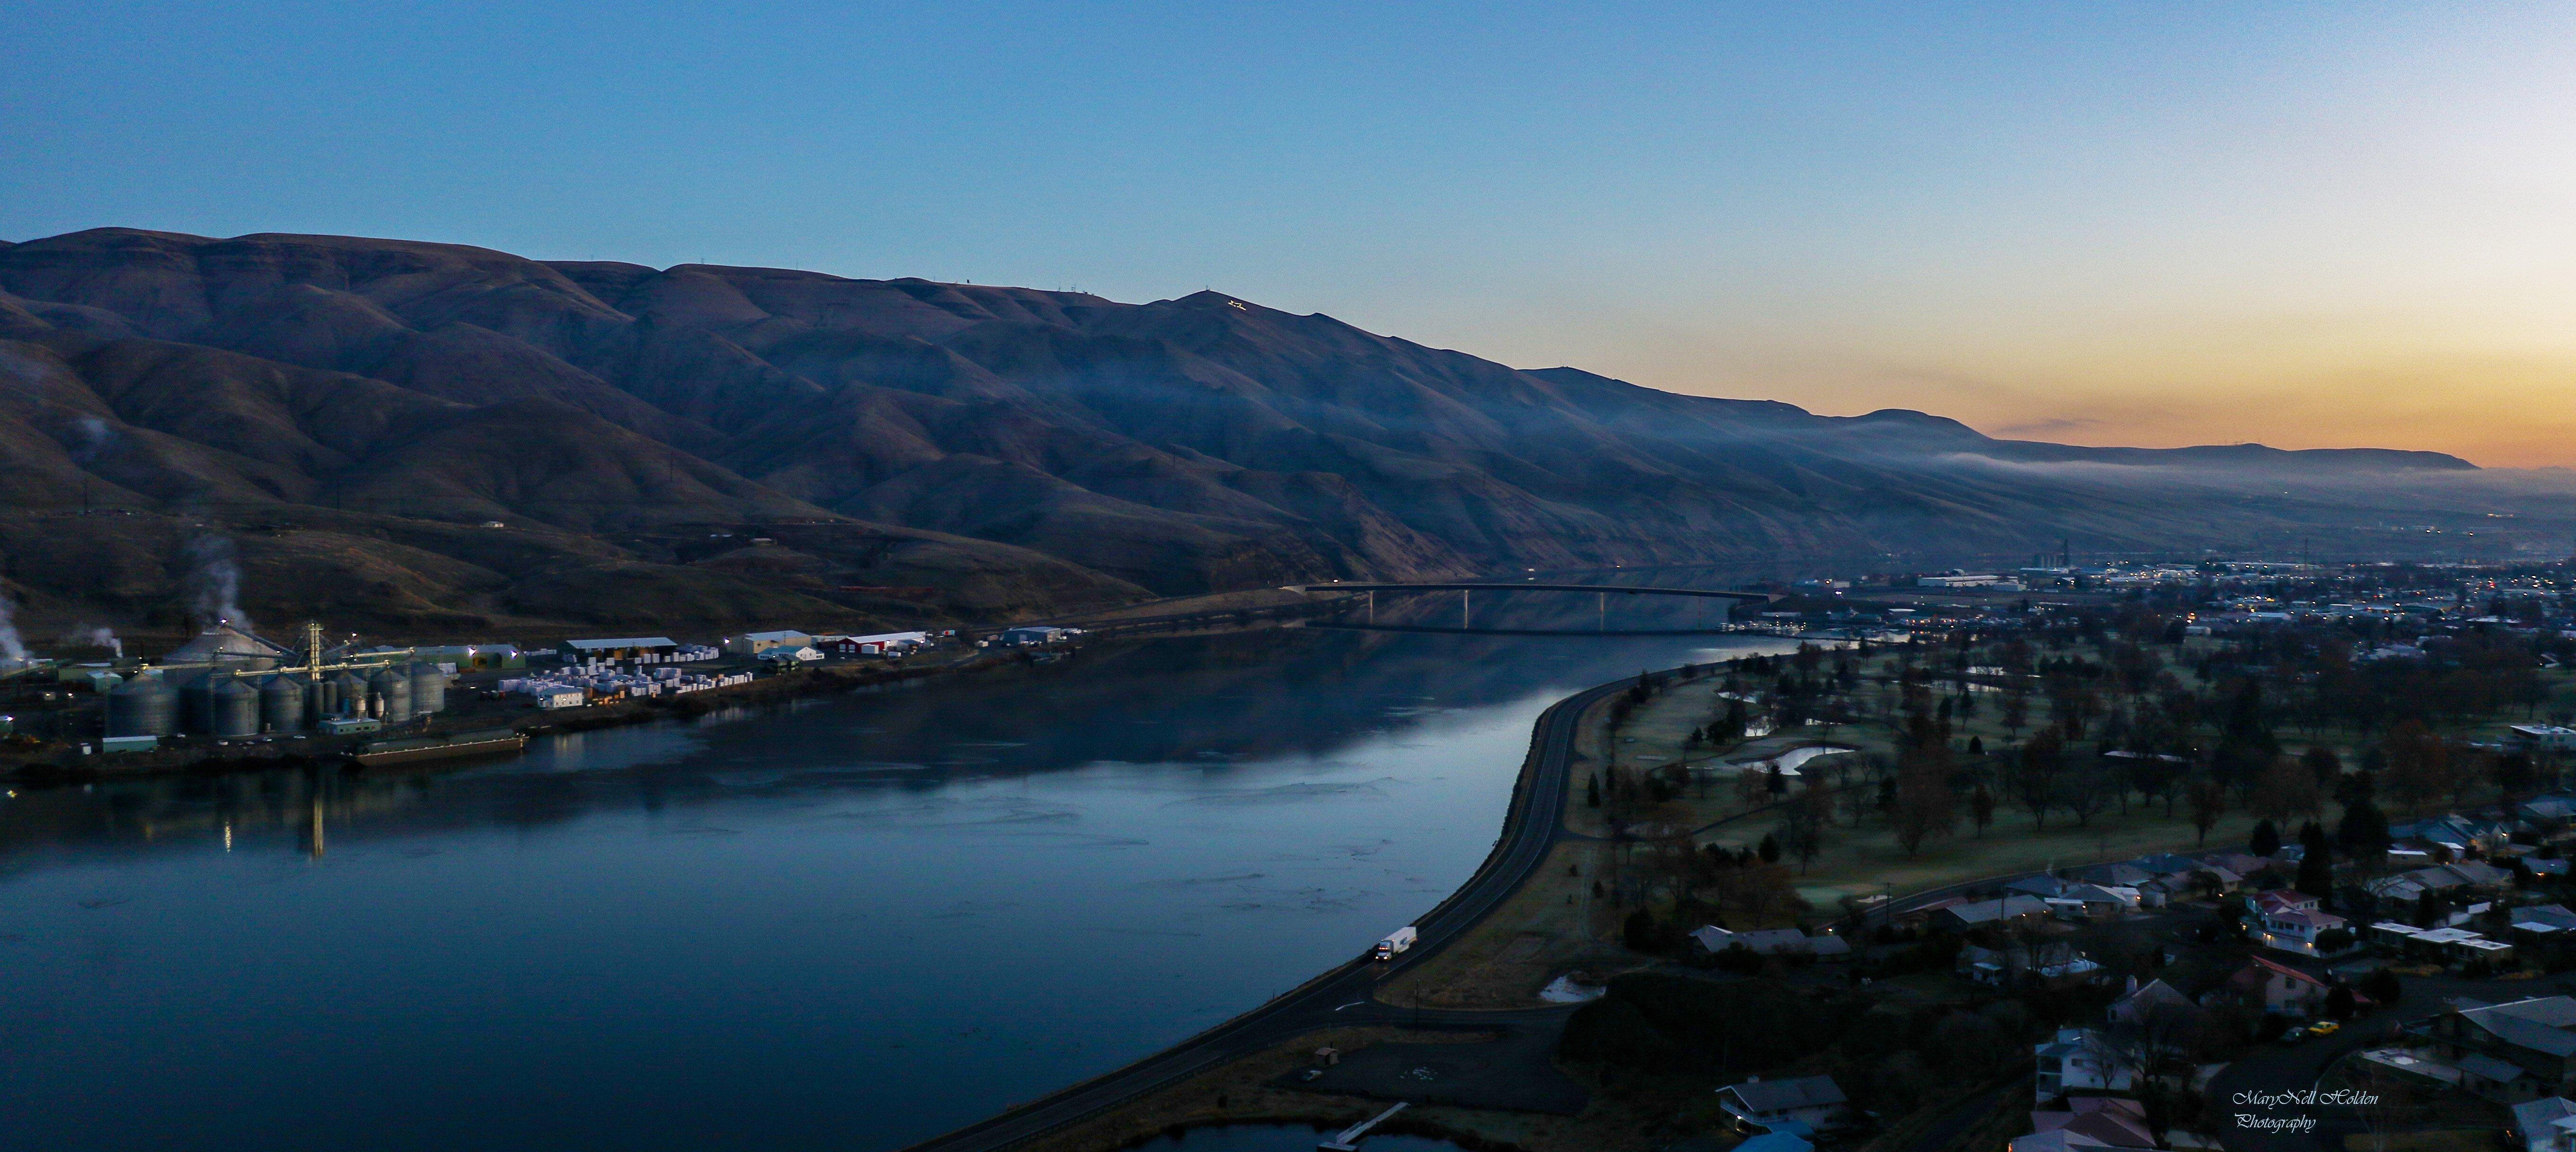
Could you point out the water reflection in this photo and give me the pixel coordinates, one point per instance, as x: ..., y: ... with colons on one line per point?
x: 849, y: 923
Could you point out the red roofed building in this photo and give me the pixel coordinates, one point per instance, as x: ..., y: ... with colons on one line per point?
x: 2279, y: 988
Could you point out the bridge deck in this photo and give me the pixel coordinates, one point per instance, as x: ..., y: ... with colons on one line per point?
x: 1532, y: 586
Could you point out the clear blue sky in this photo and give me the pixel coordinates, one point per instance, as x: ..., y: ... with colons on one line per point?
x: 2152, y: 223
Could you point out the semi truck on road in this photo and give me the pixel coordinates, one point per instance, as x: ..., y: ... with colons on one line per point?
x: 1396, y: 941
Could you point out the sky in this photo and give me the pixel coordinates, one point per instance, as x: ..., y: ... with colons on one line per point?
x: 2310, y: 225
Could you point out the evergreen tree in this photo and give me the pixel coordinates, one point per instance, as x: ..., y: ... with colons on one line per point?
x: 1639, y: 931
x: 2322, y: 763
x: 2266, y: 839
x: 1770, y: 849
x: 2316, y: 872
x: 2364, y: 830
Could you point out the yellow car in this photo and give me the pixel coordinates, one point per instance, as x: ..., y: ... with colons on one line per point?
x: 2325, y: 1028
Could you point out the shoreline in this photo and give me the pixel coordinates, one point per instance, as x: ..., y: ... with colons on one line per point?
x: 319, y: 751
x: 1263, y: 1030
x: 314, y: 750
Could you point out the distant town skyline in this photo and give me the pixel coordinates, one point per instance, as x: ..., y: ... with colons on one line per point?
x: 2305, y: 225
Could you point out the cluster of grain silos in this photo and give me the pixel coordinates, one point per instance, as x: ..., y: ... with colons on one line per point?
x: 233, y: 703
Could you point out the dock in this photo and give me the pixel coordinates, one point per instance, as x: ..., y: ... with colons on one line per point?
x: 488, y: 742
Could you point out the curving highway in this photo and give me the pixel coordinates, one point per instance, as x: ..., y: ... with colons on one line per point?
x: 1341, y: 996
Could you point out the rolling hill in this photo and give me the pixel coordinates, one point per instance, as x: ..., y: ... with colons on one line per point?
x: 716, y: 445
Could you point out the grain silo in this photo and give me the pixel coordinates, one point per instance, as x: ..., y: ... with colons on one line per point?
x: 351, y: 692
x: 393, y: 689
x: 281, y: 703
x: 232, y: 706
x: 321, y: 698
x: 143, y: 706
x: 428, y: 689
x: 196, y: 714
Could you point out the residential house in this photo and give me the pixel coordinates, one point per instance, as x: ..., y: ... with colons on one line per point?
x: 2089, y: 1122
x: 2459, y: 946
x: 2156, y: 1017
x: 2454, y: 831
x: 1990, y: 913
x: 2547, y: 812
x: 2459, y: 878
x: 2042, y: 887
x: 2395, y: 936
x: 1814, y: 1101
x: 2545, y: 1125
x: 2051, y: 963
x: 2243, y: 864
x: 2274, y: 900
x: 2540, y: 737
x: 2296, y: 931
x: 2081, y: 1060
x: 2115, y: 875
x: 2278, y: 988
x: 1762, y: 941
x: 2167, y: 864
x: 2544, y: 929
x: 2522, y: 1050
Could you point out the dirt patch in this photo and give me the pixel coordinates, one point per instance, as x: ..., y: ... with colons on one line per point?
x: 1246, y: 1092
x: 1510, y: 1070
x: 1549, y: 927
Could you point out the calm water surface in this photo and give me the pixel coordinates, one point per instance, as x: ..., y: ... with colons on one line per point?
x: 853, y: 923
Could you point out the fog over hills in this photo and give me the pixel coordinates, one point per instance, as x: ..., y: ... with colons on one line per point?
x: 353, y: 412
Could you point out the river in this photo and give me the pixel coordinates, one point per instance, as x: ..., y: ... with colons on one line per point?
x: 849, y: 923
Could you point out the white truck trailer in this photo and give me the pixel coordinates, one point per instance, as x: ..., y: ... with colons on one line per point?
x: 1395, y: 942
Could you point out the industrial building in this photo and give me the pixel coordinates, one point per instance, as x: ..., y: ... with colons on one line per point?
x: 232, y: 685
x: 882, y: 644
x: 473, y: 657
x: 755, y: 643
x: 618, y: 648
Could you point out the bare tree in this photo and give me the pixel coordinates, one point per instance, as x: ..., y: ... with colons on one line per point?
x: 2035, y: 774
x: 2208, y: 803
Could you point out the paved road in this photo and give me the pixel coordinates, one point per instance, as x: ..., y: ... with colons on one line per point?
x: 1342, y: 996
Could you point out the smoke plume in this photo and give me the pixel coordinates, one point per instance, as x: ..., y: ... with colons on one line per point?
x: 214, y: 583
x: 94, y: 636
x: 11, y: 646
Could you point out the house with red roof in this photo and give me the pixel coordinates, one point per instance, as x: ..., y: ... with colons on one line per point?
x: 2279, y: 988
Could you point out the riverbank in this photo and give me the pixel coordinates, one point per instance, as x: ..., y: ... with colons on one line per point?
x: 61, y: 760
x: 1257, y: 1055
x: 200, y: 755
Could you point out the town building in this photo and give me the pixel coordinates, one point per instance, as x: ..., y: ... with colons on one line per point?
x: 617, y: 648
x: 2278, y: 988
x: 2296, y: 930
x: 1990, y: 913
x: 2545, y: 1125
x: 2510, y: 1052
x: 2540, y: 737
x: 1814, y: 1101
x: 2088, y: 1122
x: 751, y: 644
x: 2081, y: 1060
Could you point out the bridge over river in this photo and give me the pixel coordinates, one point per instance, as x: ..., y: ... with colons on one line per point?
x: 1467, y: 590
